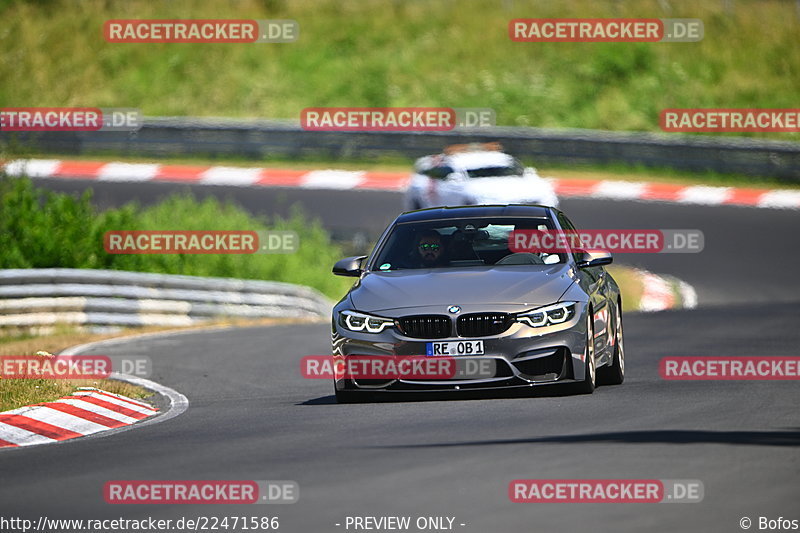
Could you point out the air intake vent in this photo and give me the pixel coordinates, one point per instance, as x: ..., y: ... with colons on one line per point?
x: 425, y: 326
x: 546, y: 367
x: 483, y: 324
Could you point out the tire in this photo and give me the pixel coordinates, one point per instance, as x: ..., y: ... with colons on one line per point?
x: 589, y: 382
x: 615, y: 374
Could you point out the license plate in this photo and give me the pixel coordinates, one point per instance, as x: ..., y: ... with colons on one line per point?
x: 454, y: 348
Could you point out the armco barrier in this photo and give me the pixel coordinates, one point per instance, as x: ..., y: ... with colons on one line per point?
x: 40, y: 297
x: 162, y: 137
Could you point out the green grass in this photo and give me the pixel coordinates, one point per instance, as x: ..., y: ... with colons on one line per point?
x: 630, y: 285
x: 42, y: 229
x: 16, y: 393
x: 405, y: 53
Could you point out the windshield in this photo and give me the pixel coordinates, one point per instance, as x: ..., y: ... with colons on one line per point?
x: 440, y: 172
x: 472, y: 242
x: 491, y: 172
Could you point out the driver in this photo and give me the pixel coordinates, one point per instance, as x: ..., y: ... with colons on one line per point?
x: 430, y: 250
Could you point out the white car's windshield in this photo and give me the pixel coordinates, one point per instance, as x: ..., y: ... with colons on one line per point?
x: 491, y: 172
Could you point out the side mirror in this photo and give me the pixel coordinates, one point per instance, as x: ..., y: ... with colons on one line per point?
x: 349, y: 266
x: 593, y: 258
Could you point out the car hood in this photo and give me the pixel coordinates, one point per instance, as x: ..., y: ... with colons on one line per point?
x: 476, y: 288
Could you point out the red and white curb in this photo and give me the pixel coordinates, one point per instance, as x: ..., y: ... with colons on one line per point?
x: 388, y: 181
x: 660, y: 293
x: 17, y: 431
x: 83, y: 413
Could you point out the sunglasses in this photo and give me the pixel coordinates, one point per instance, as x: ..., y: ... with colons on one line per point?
x: 429, y: 246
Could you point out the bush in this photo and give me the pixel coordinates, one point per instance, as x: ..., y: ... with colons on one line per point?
x: 43, y: 229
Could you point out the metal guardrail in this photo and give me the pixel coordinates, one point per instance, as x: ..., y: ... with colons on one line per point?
x: 163, y: 136
x: 43, y: 297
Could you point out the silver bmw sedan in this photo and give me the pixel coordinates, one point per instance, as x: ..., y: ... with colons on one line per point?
x: 448, y: 290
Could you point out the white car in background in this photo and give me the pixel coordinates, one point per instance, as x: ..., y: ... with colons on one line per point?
x: 475, y: 174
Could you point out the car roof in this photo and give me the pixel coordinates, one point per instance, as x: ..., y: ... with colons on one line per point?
x: 480, y: 159
x: 472, y: 211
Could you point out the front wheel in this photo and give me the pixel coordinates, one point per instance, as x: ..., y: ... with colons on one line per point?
x: 615, y: 374
x: 590, y: 374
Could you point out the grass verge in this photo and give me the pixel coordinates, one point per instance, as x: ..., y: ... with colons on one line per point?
x: 16, y: 393
x: 630, y: 285
x: 412, y: 53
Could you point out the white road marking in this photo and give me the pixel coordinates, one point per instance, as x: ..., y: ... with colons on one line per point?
x: 620, y: 190
x: 127, y: 172
x: 332, y: 179
x: 701, y: 194
x: 237, y: 176
x: 34, y: 168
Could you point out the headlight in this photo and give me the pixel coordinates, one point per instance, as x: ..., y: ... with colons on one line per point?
x: 361, y: 322
x: 545, y: 316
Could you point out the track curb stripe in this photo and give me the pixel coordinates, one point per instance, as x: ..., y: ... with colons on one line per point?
x: 114, y: 407
x: 121, y: 400
x: 22, y: 437
x: 107, y: 412
x: 41, y: 428
x: 86, y: 412
x: 389, y: 181
x: 83, y: 413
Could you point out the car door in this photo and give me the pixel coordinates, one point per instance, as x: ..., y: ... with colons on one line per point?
x: 593, y: 280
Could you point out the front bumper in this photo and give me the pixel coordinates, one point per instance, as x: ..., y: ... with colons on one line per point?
x: 523, y: 357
